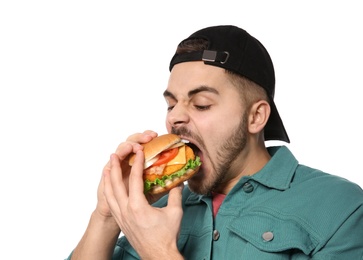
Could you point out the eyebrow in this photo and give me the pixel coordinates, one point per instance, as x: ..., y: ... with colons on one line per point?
x: 193, y: 92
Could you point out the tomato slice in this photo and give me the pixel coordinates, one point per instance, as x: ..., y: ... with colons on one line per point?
x: 166, y: 156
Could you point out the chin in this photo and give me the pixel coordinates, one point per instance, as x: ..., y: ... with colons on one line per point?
x: 197, y: 184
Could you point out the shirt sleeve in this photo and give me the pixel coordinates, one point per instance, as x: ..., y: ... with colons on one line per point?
x: 69, y: 257
x: 347, y: 242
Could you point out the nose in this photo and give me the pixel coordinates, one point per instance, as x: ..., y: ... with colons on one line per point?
x: 178, y: 116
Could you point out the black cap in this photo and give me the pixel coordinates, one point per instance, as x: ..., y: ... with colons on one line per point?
x: 234, y: 49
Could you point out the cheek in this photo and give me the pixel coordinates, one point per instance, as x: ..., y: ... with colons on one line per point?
x: 167, y: 125
x: 218, y: 129
x: 221, y: 125
x: 213, y: 130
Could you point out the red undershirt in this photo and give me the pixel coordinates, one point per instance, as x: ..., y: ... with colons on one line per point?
x: 217, y: 201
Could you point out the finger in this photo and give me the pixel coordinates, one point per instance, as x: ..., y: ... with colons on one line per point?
x: 151, y: 133
x: 144, y: 137
x: 136, y: 182
x: 107, y: 167
x: 135, y: 141
x: 175, y: 196
x: 108, y: 192
x: 126, y: 148
x: 117, y: 184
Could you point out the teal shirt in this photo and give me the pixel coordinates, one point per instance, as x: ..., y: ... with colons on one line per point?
x: 284, y: 211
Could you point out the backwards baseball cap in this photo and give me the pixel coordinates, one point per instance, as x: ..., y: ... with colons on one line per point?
x: 234, y: 49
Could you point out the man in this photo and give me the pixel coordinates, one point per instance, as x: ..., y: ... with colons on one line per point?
x: 247, y: 201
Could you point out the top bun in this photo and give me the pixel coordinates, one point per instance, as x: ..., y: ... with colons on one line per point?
x: 156, y: 146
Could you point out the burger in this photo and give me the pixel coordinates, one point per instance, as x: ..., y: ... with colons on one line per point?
x: 168, y: 162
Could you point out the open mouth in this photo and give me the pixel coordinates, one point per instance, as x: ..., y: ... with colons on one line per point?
x: 194, y: 147
x: 197, y: 151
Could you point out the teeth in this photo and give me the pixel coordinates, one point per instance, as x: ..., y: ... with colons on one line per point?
x: 185, y: 141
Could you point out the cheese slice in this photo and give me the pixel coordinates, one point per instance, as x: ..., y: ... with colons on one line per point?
x: 180, y: 158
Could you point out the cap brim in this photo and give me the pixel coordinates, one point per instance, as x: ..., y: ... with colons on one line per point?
x: 274, y: 129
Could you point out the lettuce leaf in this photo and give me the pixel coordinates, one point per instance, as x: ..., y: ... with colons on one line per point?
x: 191, y: 164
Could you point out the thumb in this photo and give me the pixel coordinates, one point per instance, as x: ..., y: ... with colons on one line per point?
x: 175, y: 196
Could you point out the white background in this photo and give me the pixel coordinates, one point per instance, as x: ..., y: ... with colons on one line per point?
x: 77, y: 77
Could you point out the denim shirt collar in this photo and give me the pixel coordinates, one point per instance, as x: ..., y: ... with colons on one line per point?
x: 279, y: 171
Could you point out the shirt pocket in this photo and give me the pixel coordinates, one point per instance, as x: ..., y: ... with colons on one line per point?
x: 267, y: 235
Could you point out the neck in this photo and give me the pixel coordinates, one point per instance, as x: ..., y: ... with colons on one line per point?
x: 251, y: 160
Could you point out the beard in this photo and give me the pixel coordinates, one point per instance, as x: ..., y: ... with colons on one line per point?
x: 228, y: 151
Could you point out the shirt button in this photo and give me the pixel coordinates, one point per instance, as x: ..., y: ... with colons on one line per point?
x: 247, y: 187
x: 215, y: 235
x: 268, y: 236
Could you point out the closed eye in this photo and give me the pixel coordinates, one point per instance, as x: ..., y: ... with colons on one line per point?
x: 202, y: 108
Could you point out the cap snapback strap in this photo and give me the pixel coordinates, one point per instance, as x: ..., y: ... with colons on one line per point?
x: 206, y: 55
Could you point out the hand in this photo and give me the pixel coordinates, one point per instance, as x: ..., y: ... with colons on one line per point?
x: 131, y: 145
x: 153, y: 232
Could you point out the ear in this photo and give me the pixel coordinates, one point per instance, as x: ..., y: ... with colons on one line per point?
x: 259, y: 114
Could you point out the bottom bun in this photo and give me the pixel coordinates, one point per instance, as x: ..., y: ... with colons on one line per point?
x: 169, y: 184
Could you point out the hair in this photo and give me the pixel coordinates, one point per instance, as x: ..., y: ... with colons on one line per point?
x: 249, y: 91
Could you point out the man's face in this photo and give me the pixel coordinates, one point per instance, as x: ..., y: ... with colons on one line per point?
x: 205, y: 108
